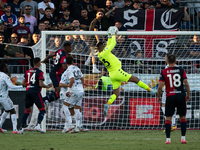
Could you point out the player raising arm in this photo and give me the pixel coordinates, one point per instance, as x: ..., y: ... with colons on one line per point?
x: 5, y: 100
x: 173, y: 78
x: 113, y: 65
x: 57, y: 69
x: 33, y: 80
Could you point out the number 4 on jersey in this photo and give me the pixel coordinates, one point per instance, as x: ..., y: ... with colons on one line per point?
x: 32, y: 78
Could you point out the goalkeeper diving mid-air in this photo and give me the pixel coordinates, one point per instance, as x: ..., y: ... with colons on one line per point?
x: 113, y: 65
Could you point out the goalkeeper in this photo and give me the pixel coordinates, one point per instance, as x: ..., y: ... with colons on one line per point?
x: 113, y: 65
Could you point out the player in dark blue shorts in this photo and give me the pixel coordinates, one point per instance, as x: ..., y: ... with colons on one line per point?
x: 33, y: 80
x: 173, y: 78
x: 57, y: 69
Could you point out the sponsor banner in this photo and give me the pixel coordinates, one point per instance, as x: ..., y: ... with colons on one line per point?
x: 144, y: 111
x: 92, y: 79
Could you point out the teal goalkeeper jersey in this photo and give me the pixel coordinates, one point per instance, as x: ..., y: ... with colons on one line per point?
x: 110, y: 61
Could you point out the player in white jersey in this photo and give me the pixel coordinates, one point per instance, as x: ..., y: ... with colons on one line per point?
x: 174, y: 127
x: 5, y: 100
x: 72, y: 92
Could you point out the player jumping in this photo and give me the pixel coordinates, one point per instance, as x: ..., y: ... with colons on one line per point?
x: 5, y: 100
x: 113, y: 65
x: 33, y: 80
x: 173, y: 78
x: 57, y: 69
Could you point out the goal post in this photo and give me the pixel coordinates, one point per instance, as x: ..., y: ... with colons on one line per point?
x: 142, y: 54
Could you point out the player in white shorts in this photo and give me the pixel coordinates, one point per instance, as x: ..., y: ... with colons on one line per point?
x: 5, y: 100
x: 72, y: 93
x: 174, y: 127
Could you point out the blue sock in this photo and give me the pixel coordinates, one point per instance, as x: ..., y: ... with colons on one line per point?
x: 24, y: 118
x: 183, y: 127
x: 41, y: 116
x: 167, y: 128
x: 51, y: 97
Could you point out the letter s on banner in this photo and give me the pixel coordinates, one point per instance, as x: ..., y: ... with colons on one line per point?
x: 127, y: 17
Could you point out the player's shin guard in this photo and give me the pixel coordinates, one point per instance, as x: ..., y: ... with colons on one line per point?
x: 68, y: 119
x: 3, y: 118
x: 51, y: 97
x: 41, y: 116
x: 14, y: 121
x: 183, y: 126
x: 78, y: 117
x: 143, y: 85
x: 24, y: 117
x: 167, y: 128
x: 112, y: 99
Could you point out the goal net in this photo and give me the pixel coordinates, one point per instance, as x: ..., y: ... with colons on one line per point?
x: 142, y: 54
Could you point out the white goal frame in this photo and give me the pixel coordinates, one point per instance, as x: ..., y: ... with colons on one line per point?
x: 45, y: 33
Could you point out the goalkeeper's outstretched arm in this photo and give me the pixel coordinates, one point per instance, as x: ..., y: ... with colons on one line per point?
x: 111, y: 43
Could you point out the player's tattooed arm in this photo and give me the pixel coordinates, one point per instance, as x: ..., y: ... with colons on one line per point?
x: 187, y: 87
x: 42, y: 85
x: 161, y: 84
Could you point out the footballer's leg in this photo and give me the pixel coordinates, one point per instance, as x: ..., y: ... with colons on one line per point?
x: 40, y: 105
x: 14, y: 120
x: 183, y: 129
x: 3, y: 118
x: 168, y: 129
x: 68, y: 119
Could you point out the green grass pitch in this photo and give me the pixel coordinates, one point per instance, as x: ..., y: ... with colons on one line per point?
x: 99, y: 140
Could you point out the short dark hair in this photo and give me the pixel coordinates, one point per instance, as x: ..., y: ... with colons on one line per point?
x: 67, y: 44
x: 171, y: 59
x: 21, y: 16
x: 127, y: 1
x: 66, y: 9
x: 27, y: 6
x: 69, y: 60
x: 99, y: 44
x: 36, y: 60
x: 48, y: 8
x: 99, y: 11
x: 2, y: 66
x: 84, y: 9
x: 168, y: 54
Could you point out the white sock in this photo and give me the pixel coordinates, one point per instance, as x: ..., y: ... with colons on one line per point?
x: 94, y: 66
x: 3, y: 118
x: 14, y: 121
x: 78, y: 117
x: 68, y: 119
x: 163, y: 110
x: 182, y: 137
x: 38, y: 126
x: 168, y: 139
x: 174, y: 120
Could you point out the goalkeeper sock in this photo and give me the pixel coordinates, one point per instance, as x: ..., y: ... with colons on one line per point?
x: 163, y: 110
x: 167, y: 128
x: 68, y: 119
x: 143, y: 85
x: 112, y: 99
x: 183, y: 126
x: 3, y: 118
x: 14, y: 121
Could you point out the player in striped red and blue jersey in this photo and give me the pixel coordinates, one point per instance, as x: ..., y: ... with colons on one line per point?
x: 57, y: 69
x: 33, y: 81
x: 173, y: 78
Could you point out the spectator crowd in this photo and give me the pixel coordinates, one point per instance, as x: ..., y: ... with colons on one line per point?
x: 21, y: 22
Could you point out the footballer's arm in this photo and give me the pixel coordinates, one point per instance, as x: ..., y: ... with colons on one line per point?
x: 24, y: 82
x: 42, y: 85
x: 187, y: 87
x: 70, y: 86
x: 161, y: 84
x: 48, y: 57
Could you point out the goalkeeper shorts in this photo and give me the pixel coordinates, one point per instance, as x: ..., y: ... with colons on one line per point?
x: 119, y: 76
